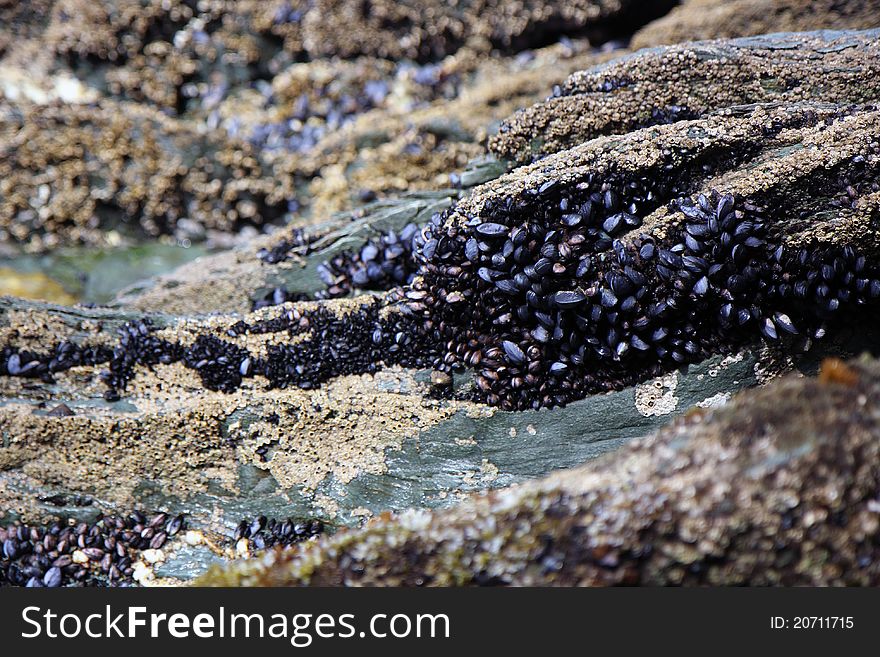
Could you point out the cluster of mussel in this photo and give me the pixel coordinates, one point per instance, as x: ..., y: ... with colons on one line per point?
x: 552, y: 295
x: 549, y: 295
x: 102, y: 552
x: 382, y: 263
x: 263, y: 532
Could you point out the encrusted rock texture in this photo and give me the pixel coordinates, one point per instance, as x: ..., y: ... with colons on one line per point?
x: 74, y: 174
x: 431, y: 30
x: 691, y: 80
x: 248, y: 125
x: 779, y: 487
x: 219, y: 441
x: 129, y: 120
x: 208, y: 389
x: 695, y: 20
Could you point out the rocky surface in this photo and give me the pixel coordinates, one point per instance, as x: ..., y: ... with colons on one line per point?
x: 431, y: 30
x: 288, y: 260
x: 359, y: 129
x: 358, y: 442
x: 682, y: 82
x: 237, y: 123
x: 355, y: 447
x: 184, y: 42
x: 779, y: 487
x: 574, y: 274
x: 696, y: 20
x: 77, y: 173
x: 87, y: 174
x: 325, y: 409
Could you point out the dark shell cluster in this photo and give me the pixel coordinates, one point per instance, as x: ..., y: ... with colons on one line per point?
x: 101, y: 553
x: 381, y: 264
x: 547, y: 302
x: 265, y: 533
x: 42, y: 366
x: 355, y: 343
x: 220, y: 364
x: 136, y: 346
x: 543, y: 298
x: 298, y: 239
x: 548, y: 296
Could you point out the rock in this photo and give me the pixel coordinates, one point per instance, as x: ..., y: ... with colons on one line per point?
x: 413, y: 30
x: 168, y: 172
x: 157, y: 52
x: 360, y: 431
x: 413, y: 146
x: 167, y: 46
x: 216, y: 163
x: 91, y: 274
x: 641, y: 298
x: 691, y: 80
x: 697, y: 20
x: 778, y: 487
x: 61, y: 410
x: 234, y: 280
x: 288, y: 259
x: 349, y: 447
x: 21, y: 20
x: 357, y: 442
x: 376, y: 442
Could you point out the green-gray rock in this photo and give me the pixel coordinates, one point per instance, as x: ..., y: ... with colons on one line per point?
x: 777, y: 488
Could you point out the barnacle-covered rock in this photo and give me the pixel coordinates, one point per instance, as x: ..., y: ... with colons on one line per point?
x: 598, y: 267
x: 170, y: 53
x: 701, y: 247
x: 183, y: 56
x: 665, y: 85
x: 320, y: 138
x: 21, y: 20
x: 192, y: 413
x: 420, y: 30
x: 197, y: 422
x: 672, y: 265
x: 413, y: 145
x: 80, y: 173
x: 696, y: 20
x: 779, y: 487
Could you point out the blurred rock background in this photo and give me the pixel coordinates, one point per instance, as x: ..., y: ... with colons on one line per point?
x: 136, y: 135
